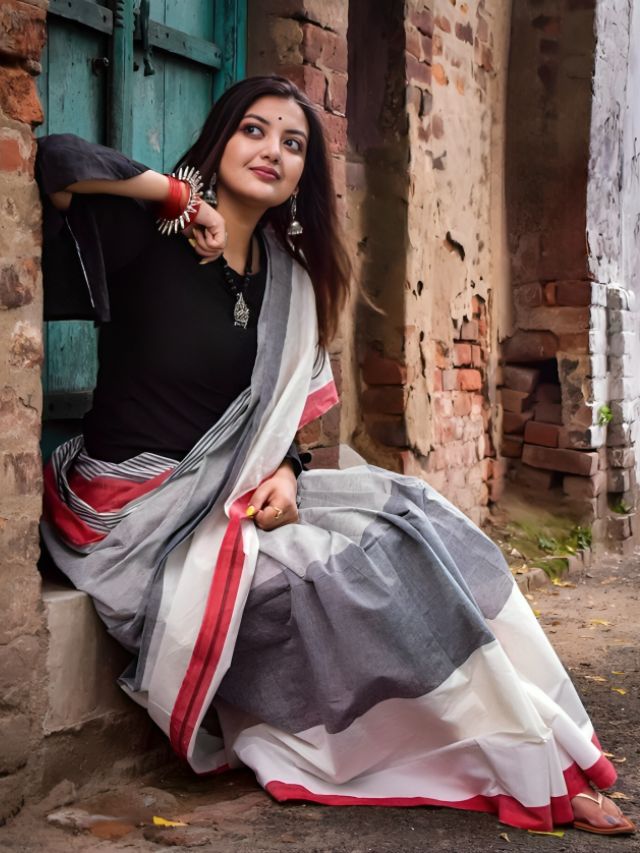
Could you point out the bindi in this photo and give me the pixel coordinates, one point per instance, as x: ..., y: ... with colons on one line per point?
x: 279, y: 118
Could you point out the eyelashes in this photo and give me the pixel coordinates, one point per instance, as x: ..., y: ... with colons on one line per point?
x: 254, y: 131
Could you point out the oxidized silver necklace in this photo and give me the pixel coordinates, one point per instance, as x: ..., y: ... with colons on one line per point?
x: 240, y: 309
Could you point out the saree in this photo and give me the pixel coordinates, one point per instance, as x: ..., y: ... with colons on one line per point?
x: 378, y: 652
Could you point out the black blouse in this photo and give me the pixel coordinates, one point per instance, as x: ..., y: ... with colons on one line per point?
x: 171, y: 359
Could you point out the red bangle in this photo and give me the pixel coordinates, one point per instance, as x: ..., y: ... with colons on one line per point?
x: 173, y: 206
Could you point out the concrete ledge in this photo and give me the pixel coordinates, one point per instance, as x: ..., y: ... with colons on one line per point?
x: 91, y: 730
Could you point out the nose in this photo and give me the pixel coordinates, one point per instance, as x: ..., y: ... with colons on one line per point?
x: 272, y: 148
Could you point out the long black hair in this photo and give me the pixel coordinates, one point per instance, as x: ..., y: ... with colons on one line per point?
x: 319, y: 249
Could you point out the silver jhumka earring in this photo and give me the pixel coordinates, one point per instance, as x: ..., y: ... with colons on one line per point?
x: 210, y: 195
x: 295, y: 228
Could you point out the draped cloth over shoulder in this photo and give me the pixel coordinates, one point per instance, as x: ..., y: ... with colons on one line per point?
x: 379, y: 652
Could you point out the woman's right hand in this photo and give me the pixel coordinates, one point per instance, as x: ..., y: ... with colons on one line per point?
x: 207, y: 233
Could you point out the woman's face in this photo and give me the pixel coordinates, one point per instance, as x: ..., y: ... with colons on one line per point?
x: 263, y: 161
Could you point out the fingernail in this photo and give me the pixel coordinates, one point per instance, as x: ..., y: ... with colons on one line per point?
x: 206, y: 261
x: 192, y: 242
x: 612, y: 820
x: 251, y: 510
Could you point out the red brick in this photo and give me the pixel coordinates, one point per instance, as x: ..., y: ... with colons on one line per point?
x: 530, y: 346
x: 336, y: 130
x: 482, y: 30
x: 11, y: 159
x: 427, y: 48
x: 19, y: 96
x: 391, y: 431
x: 461, y: 354
x: 469, y: 379
x: 528, y: 295
x: 437, y: 380
x: 449, y: 380
x: 533, y: 478
x: 22, y: 30
x: 550, y: 413
x: 439, y: 74
x: 576, y: 343
x: 443, y: 23
x: 325, y: 457
x: 486, y: 60
x: 309, y: 434
x: 437, y: 126
x: 515, y: 401
x: 322, y: 47
x: 377, y: 370
x: 574, y: 293
x: 388, y: 399
x: 469, y: 330
x: 422, y: 20
x: 514, y: 422
x: 330, y: 425
x: 520, y: 378
x: 21, y: 474
x: 585, y: 487
x: 548, y: 392
x: 512, y: 446
x: 478, y: 357
x: 462, y: 405
x: 337, y: 93
x: 567, y: 461
x: 312, y: 81
x: 412, y: 43
x: 538, y: 432
x: 464, y: 32
x: 550, y: 293
x: 417, y: 71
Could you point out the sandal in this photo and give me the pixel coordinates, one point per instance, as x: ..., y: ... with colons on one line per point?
x: 626, y: 828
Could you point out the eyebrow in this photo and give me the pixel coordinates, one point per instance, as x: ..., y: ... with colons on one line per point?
x: 264, y: 121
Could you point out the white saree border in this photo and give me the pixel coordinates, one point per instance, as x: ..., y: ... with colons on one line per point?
x: 210, y: 585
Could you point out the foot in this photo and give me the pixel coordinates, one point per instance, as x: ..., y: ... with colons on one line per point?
x: 597, y: 810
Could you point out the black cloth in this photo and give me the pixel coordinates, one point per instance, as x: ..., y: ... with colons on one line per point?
x: 170, y: 358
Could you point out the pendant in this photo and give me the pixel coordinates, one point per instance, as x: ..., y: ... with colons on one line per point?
x: 240, y: 312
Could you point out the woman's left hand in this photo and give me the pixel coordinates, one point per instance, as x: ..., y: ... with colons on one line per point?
x: 274, y: 501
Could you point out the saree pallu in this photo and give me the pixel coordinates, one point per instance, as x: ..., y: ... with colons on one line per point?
x: 378, y: 652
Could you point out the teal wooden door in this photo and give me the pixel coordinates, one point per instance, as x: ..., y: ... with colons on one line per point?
x: 141, y: 77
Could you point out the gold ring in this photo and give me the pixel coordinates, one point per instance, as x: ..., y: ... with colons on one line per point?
x: 278, y: 511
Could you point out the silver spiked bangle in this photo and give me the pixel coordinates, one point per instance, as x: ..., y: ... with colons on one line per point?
x: 189, y: 175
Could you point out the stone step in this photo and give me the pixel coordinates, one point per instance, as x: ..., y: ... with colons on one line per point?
x: 92, y: 731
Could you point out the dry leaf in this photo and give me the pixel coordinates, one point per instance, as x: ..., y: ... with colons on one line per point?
x: 618, y: 795
x: 616, y: 672
x: 537, y: 613
x: 557, y: 833
x: 599, y: 622
x: 566, y: 584
x: 619, y: 690
x: 608, y: 754
x: 162, y: 821
x: 504, y: 836
x: 599, y: 678
x: 620, y: 760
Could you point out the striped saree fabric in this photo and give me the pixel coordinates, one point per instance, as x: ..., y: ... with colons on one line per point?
x: 378, y: 652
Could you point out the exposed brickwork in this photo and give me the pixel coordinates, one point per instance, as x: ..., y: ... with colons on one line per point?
x: 306, y: 41
x: 21, y: 642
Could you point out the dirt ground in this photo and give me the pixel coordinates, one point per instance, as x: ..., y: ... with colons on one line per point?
x: 594, y: 625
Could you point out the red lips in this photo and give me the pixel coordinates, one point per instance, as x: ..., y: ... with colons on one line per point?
x: 265, y: 171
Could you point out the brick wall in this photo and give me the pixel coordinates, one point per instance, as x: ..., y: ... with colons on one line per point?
x: 22, y: 33
x: 306, y: 41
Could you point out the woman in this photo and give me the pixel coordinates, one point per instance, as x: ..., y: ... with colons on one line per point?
x: 375, y: 652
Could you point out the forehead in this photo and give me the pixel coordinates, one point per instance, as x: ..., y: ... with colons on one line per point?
x: 283, y: 111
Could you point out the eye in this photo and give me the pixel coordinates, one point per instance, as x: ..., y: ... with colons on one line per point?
x: 294, y: 144
x: 252, y: 130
